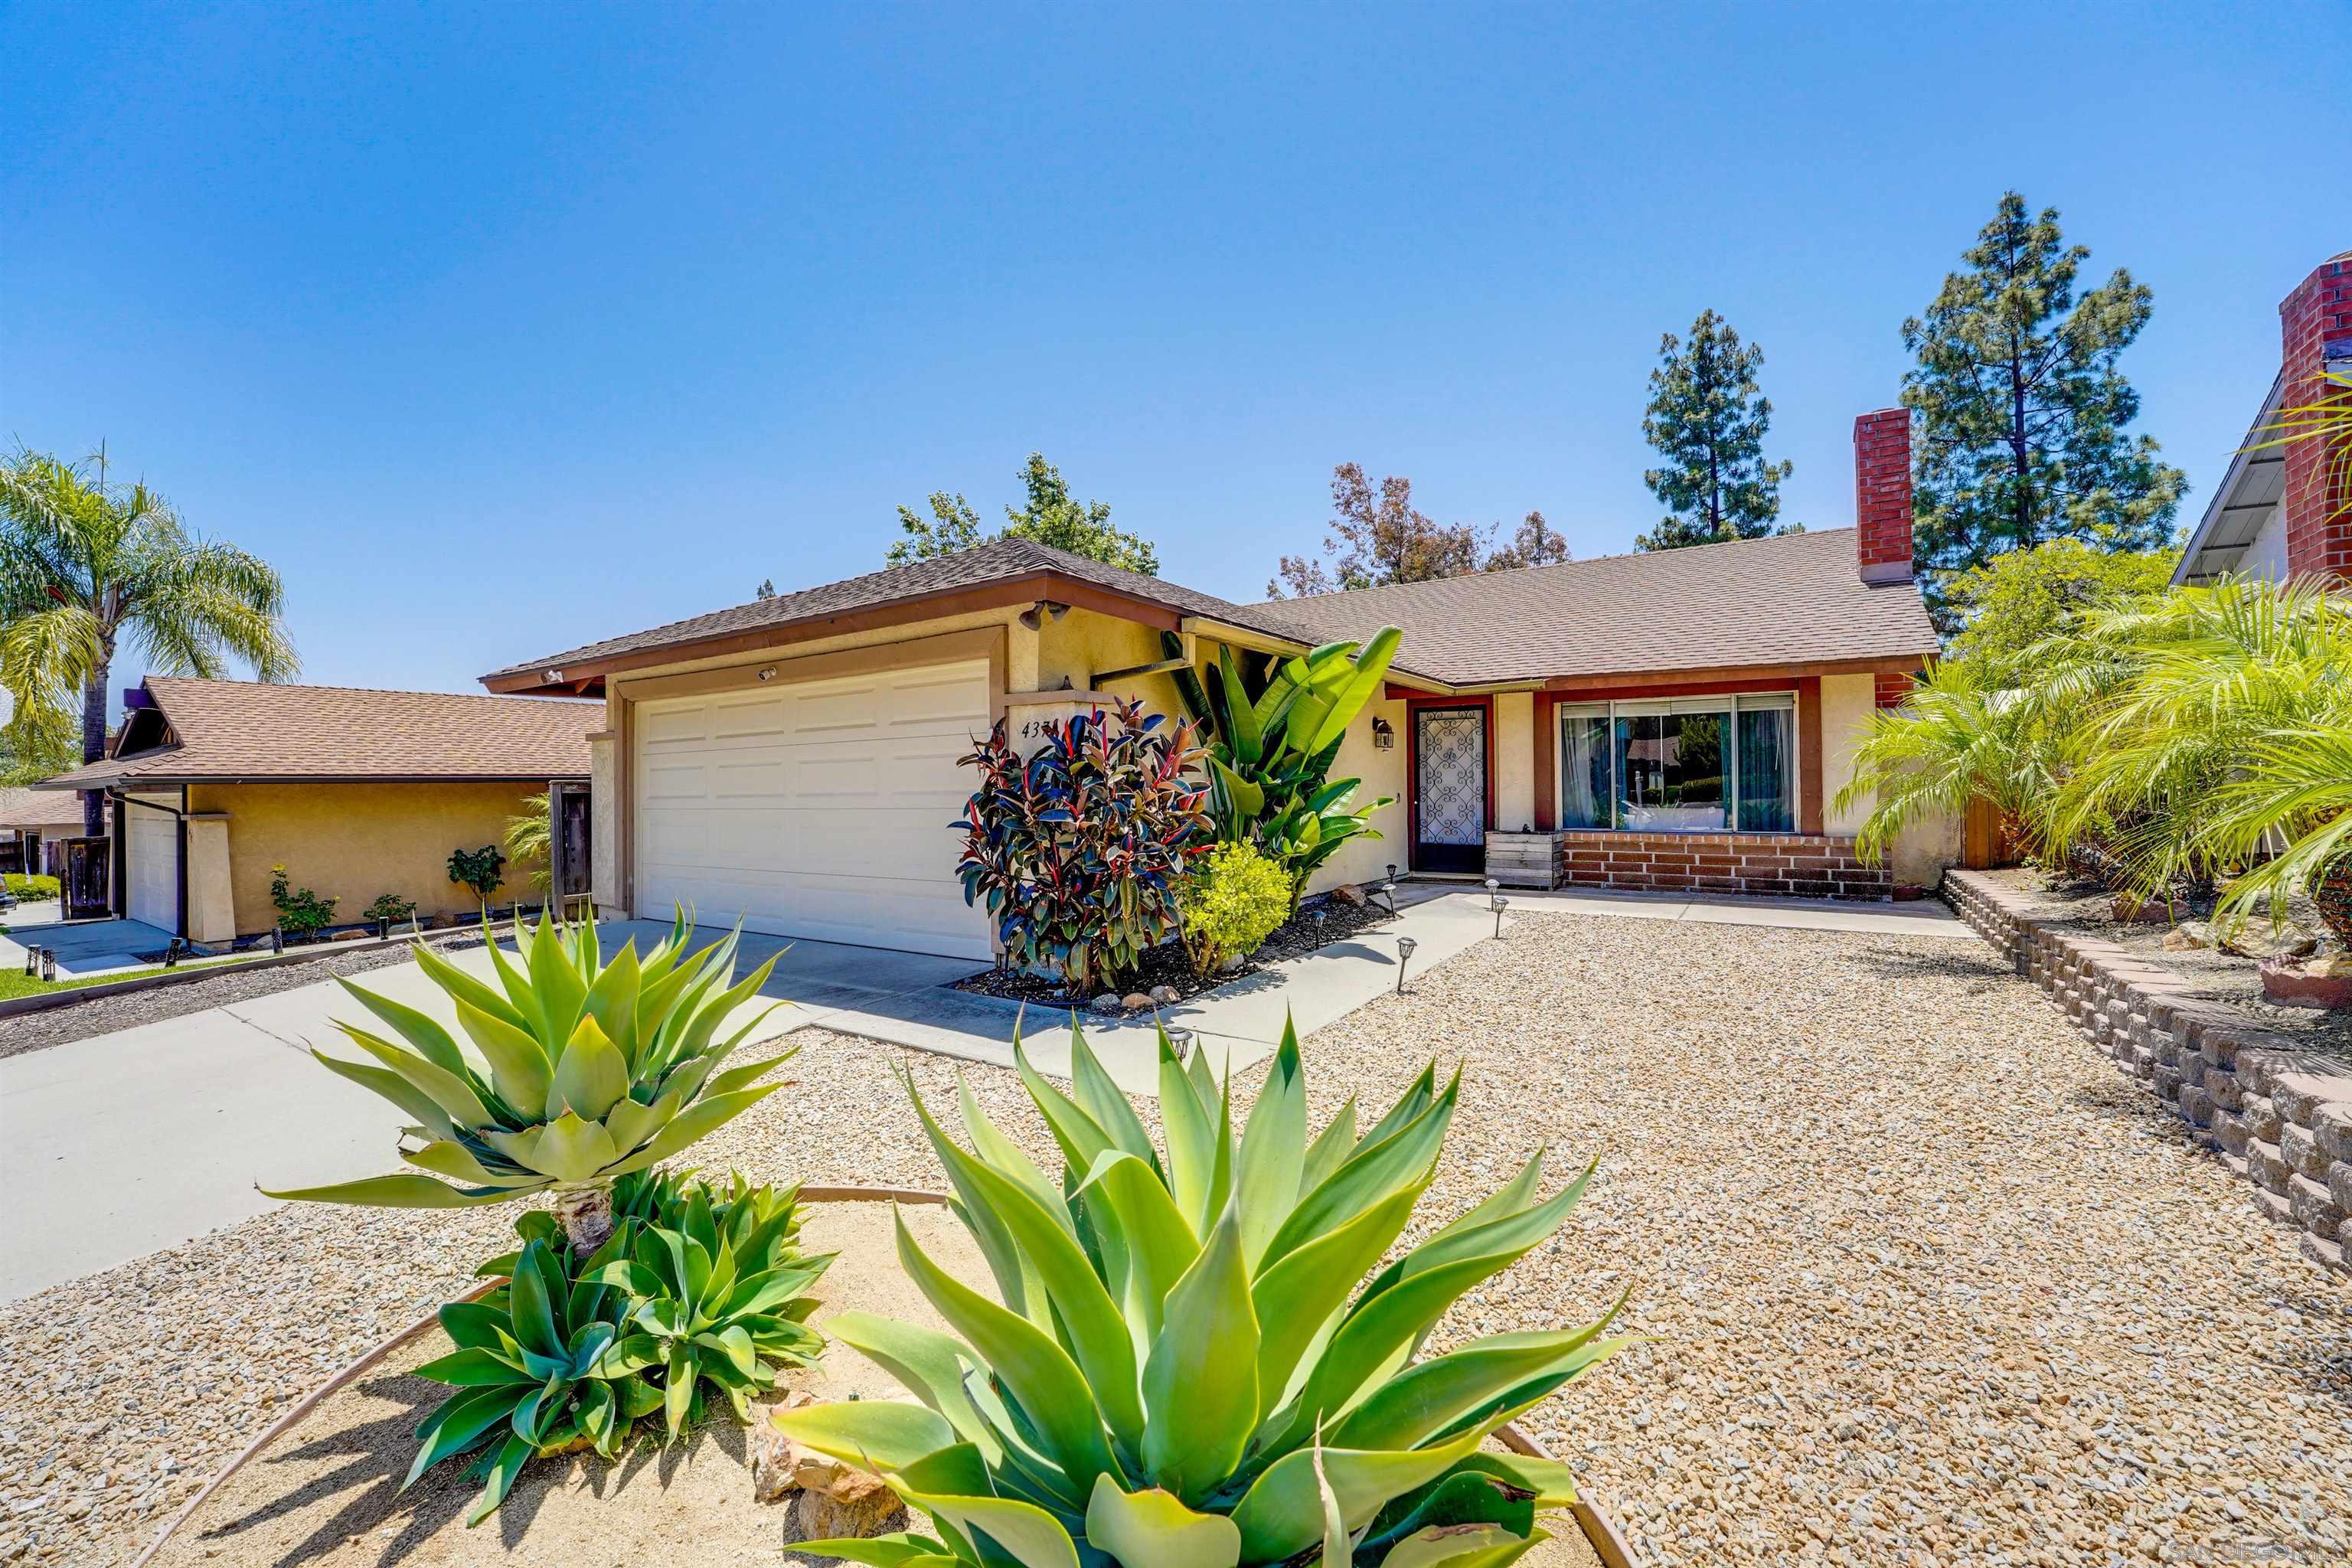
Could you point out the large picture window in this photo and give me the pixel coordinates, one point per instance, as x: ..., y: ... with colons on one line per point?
x: 1691, y: 764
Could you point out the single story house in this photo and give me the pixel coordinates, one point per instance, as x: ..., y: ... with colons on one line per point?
x: 214, y: 783
x: 30, y: 818
x: 2285, y: 510
x: 1681, y: 719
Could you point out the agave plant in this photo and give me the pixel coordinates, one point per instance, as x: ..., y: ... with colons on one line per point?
x: 534, y: 1371
x: 1271, y: 757
x: 719, y: 1296
x: 698, y: 1288
x: 1176, y: 1369
x: 582, y: 1071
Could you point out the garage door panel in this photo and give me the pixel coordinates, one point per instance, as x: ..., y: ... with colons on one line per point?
x: 817, y: 809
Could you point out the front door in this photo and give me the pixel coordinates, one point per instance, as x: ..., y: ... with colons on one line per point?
x: 1449, y: 795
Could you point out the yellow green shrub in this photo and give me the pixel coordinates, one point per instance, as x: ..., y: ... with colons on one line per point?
x: 1232, y: 901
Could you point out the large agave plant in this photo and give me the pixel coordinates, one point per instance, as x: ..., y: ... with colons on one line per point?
x: 1177, y: 1375
x: 582, y: 1071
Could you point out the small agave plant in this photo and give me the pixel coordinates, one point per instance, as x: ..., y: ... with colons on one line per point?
x: 1183, y: 1372
x: 582, y: 1071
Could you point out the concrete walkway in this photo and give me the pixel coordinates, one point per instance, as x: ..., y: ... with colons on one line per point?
x: 114, y: 1147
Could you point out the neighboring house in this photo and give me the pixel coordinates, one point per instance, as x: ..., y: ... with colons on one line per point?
x: 2279, y: 511
x: 1687, y: 715
x: 30, y: 818
x: 356, y: 792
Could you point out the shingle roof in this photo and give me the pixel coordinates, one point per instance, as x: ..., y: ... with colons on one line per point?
x: 24, y: 806
x: 996, y: 561
x: 1794, y: 599
x: 246, y: 730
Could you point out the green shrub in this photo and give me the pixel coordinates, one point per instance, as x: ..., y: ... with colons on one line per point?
x: 1233, y: 900
x: 1178, y: 1373
x: 481, y: 869
x: 699, y: 1289
x: 34, y: 887
x: 1076, y: 849
x: 391, y: 907
x: 301, y: 912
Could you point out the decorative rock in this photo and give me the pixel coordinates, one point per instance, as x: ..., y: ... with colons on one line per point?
x: 2128, y: 909
x: 2189, y: 935
x: 2324, y: 983
x: 2255, y: 939
x: 1163, y: 995
x: 1107, y: 1002
x: 1135, y: 1002
x: 857, y: 1506
x: 1349, y: 893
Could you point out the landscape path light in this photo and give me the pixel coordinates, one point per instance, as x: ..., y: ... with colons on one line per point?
x: 1499, y: 902
x: 1321, y: 914
x: 1405, y: 945
x: 50, y: 964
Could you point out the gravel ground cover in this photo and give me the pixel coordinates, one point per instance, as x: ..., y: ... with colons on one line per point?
x: 1929, y: 1282
x: 104, y: 1015
x: 2087, y: 908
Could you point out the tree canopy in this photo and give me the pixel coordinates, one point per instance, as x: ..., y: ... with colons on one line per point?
x: 85, y: 564
x: 1707, y: 419
x: 2018, y: 599
x: 1050, y: 517
x: 2026, y: 410
x: 1378, y: 536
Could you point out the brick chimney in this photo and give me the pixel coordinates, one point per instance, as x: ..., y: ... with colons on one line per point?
x: 1881, y: 495
x: 2315, y: 337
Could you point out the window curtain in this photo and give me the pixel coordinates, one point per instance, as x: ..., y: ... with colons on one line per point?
x: 1766, y: 803
x: 1584, y: 788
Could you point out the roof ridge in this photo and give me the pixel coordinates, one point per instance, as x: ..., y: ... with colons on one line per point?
x: 368, y: 690
x: 1679, y: 550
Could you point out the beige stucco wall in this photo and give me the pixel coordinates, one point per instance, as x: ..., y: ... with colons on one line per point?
x: 1364, y: 860
x: 1847, y: 703
x: 352, y: 841
x: 1921, y: 851
x: 1514, y: 762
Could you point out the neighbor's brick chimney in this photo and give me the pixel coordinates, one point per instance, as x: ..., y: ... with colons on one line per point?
x: 2315, y: 337
x: 1881, y: 495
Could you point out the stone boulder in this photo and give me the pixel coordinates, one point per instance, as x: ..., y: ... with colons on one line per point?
x: 1349, y: 893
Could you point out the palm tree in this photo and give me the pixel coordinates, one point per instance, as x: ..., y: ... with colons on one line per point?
x: 530, y: 838
x: 84, y: 565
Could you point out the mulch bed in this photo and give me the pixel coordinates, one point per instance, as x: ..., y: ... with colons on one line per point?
x: 1168, y: 966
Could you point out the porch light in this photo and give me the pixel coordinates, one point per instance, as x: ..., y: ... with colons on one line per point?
x: 1405, y: 945
x: 1383, y: 735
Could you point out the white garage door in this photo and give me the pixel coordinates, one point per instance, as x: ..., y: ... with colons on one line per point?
x: 153, y: 838
x: 815, y: 808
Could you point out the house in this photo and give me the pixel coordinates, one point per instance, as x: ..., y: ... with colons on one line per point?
x: 30, y: 818
x: 1682, y: 718
x: 355, y: 792
x: 2285, y: 510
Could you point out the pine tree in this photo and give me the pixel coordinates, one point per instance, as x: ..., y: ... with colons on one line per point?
x: 1052, y: 516
x: 1708, y: 421
x: 2024, y: 410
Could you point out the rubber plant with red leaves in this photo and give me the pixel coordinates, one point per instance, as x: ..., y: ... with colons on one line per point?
x: 1077, y: 847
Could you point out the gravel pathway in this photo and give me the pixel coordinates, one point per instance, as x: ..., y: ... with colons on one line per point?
x: 105, y: 1014
x: 1931, y: 1283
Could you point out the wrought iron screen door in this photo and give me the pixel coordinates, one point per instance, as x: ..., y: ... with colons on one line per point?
x: 1450, y: 789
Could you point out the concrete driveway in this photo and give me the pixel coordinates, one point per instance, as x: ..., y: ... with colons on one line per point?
x: 118, y: 1146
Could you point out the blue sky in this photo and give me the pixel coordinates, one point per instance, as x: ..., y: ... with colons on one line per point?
x: 500, y: 329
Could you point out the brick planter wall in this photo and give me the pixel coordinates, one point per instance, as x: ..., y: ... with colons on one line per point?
x: 2278, y: 1116
x: 1792, y: 864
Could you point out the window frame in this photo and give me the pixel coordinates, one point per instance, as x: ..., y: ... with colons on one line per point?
x: 1727, y: 703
